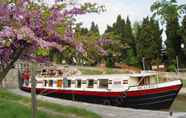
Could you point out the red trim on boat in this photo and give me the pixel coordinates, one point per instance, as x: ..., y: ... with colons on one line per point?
x: 154, y: 91
x: 108, y: 94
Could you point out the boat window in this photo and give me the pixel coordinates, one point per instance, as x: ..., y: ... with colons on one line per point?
x: 52, y: 72
x: 60, y: 73
x: 90, y: 83
x: 45, y: 82
x: 78, y: 83
x: 144, y: 81
x: 110, y: 82
x: 59, y: 83
x: 65, y: 82
x: 141, y: 81
x: 50, y: 84
x: 147, y: 80
x: 44, y: 72
x: 69, y: 83
x: 103, y: 83
x: 84, y: 81
x: 125, y: 81
x: 117, y: 82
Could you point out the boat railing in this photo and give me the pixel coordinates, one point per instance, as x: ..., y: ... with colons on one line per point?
x: 153, y: 84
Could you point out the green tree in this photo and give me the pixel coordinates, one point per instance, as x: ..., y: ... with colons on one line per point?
x: 115, y: 32
x: 128, y: 37
x: 94, y: 28
x: 148, y: 41
x: 169, y: 13
x: 183, y: 34
x: 118, y: 27
x: 184, y: 29
x: 124, y: 47
x: 173, y: 41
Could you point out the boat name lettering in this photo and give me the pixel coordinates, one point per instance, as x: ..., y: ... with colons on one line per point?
x: 146, y: 87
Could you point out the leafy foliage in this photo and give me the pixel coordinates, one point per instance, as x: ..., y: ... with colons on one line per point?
x: 124, y: 45
x: 149, y: 41
x: 27, y: 27
x: 169, y: 12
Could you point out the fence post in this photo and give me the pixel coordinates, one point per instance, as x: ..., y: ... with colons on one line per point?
x: 33, y: 90
x: 177, y: 64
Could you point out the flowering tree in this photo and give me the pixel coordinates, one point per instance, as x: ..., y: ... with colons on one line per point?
x: 26, y: 27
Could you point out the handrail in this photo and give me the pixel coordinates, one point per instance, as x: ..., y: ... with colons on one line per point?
x: 153, y: 83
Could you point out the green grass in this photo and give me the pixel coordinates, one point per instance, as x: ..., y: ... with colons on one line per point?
x: 11, y: 109
x: 96, y: 70
x: 69, y: 110
x: 184, y: 83
x: 13, y: 106
x: 179, y: 104
x: 90, y: 71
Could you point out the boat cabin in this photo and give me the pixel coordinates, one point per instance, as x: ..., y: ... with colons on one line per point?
x: 137, y: 90
x: 56, y: 79
x: 143, y: 78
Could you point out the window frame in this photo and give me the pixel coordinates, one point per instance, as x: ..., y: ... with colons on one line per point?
x: 69, y: 83
x: 77, y: 84
x: 103, y: 86
x: 88, y: 83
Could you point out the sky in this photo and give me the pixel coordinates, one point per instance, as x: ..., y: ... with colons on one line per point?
x: 135, y: 9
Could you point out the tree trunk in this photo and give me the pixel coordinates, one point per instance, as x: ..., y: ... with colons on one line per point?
x: 1, y: 83
x: 2, y: 76
x: 15, y: 56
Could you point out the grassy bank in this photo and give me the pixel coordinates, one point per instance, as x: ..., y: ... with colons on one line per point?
x: 179, y: 104
x: 13, y: 106
x: 184, y: 83
x: 97, y: 70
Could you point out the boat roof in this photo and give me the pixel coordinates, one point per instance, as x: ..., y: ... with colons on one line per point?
x: 143, y: 74
x: 110, y: 76
x: 114, y: 76
x: 103, y: 76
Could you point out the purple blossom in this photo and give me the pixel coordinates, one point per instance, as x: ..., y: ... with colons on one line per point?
x: 11, y: 7
x: 28, y: 29
x: 25, y: 33
x: 3, y: 10
x: 7, y: 32
x: 21, y: 15
x: 79, y: 48
x: 103, y: 42
x: 5, y: 54
x: 68, y: 37
x: 76, y: 11
x: 102, y: 51
x: 38, y: 59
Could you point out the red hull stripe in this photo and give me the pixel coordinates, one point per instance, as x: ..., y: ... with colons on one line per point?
x: 108, y: 94
x: 154, y: 91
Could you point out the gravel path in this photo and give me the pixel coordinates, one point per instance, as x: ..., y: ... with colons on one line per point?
x: 183, y: 91
x: 106, y: 111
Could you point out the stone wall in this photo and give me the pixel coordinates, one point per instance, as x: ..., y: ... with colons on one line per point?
x: 11, y: 80
x: 173, y: 75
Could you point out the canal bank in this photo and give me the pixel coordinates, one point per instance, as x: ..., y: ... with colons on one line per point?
x: 107, y: 111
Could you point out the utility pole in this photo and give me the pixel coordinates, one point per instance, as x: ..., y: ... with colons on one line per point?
x: 177, y: 64
x: 143, y: 61
x: 33, y: 90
